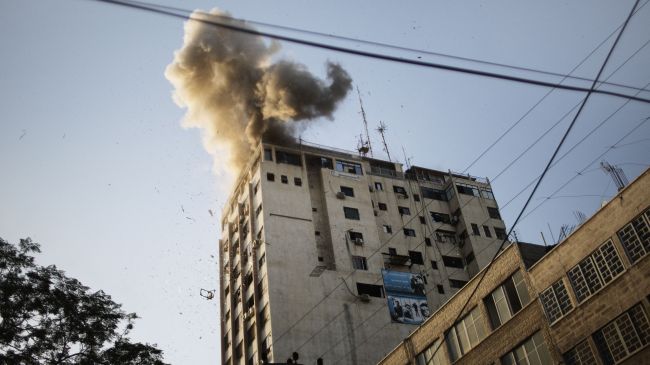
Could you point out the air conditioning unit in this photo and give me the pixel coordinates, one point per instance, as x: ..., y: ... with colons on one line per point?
x: 340, y: 195
x: 365, y: 298
x: 358, y: 241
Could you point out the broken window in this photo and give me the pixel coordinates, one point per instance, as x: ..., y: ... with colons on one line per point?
x: 434, y: 194
x: 288, y: 158
x: 494, y: 213
x: 457, y: 284
x: 356, y: 237
x: 416, y: 257
x: 440, y: 217
x: 467, y: 189
x: 359, y: 263
x: 400, y: 190
x: 349, y: 167
x: 451, y: 261
x: 409, y: 232
x: 370, y: 289
x: 268, y: 154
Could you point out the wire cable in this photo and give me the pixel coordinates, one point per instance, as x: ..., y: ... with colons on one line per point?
x: 378, y: 56
x: 188, y: 13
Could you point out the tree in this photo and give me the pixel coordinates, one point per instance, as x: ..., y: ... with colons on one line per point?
x: 49, y: 318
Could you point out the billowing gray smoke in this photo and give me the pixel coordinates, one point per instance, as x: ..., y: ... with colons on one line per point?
x: 236, y: 95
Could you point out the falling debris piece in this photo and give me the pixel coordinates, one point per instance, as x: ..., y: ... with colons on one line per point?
x: 22, y: 135
x: 211, y: 213
x: 183, y: 209
x: 207, y: 294
x: 190, y: 218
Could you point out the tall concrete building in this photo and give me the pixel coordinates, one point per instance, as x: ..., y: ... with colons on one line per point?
x: 338, y: 257
x: 585, y: 302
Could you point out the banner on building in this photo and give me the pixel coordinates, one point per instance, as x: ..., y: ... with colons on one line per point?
x: 407, y: 300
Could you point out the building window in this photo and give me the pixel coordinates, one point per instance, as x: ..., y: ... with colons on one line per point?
x: 440, y: 217
x: 427, y: 241
x: 441, y: 289
x: 500, y: 233
x: 431, y: 355
x: 451, y: 261
x: 494, y: 213
x: 387, y: 228
x: 486, y: 229
x: 351, y: 213
x: 635, y: 237
x: 434, y: 194
x: 457, y: 284
x: 270, y: 176
x: 463, y: 336
x: 404, y: 210
x: 347, y: 191
x: 238, y: 351
x: 467, y: 189
x: 256, y: 187
x: 392, y: 251
x: 297, y: 181
x: 506, y: 300
x: 416, y: 257
x: 359, y: 263
x: 595, y: 271
x: 487, y: 194
x: 581, y: 354
x: 624, y: 336
x: 532, y: 351
x: 434, y: 264
x: 475, y: 230
x: 409, y: 232
x: 379, y: 186
x: 262, y: 260
x: 268, y: 154
x: 356, y: 237
x: 445, y: 236
x: 284, y: 179
x: 370, y: 289
x: 258, y: 210
x: 416, y: 197
x: 400, y: 190
x: 288, y: 158
x: 422, y: 220
x: 349, y: 167
x: 556, y: 301
x: 382, y: 206
x: 469, y: 258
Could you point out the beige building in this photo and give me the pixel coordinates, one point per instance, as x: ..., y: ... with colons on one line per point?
x: 306, y: 234
x: 584, y: 302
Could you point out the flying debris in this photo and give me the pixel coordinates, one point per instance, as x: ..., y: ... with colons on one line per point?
x: 207, y: 294
x: 211, y: 212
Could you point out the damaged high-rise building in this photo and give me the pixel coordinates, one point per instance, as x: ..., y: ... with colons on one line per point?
x: 338, y: 257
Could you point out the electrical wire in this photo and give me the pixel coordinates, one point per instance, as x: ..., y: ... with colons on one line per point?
x: 188, y: 13
x: 548, y: 166
x: 378, y: 56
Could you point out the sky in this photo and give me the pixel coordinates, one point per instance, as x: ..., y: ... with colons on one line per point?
x: 96, y: 166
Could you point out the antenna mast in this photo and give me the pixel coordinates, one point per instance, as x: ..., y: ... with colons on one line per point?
x: 616, y: 173
x: 382, y: 129
x: 364, y: 146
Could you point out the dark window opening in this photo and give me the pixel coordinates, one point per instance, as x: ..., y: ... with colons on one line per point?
x: 469, y: 258
x: 416, y: 197
x: 317, y: 233
x: 400, y: 190
x: 404, y: 210
x: 467, y: 189
x: 392, y: 251
x: 297, y: 181
x: 388, y: 229
x: 440, y: 217
x: 359, y: 263
x: 434, y: 194
x: 370, y: 289
x: 379, y: 186
x: 486, y: 229
x: 441, y: 289
x: 356, y: 237
x: 347, y: 191
x: 288, y: 158
x: 434, y: 264
x: 268, y: 154
x: 500, y: 233
x: 427, y: 241
x: 451, y: 261
x: 270, y: 176
x: 284, y: 179
x: 416, y: 257
x: 409, y: 232
x: 423, y: 220
x: 494, y: 213
x: 457, y: 284
x: 382, y: 206
x: 351, y: 213
x: 349, y: 167
x: 475, y: 230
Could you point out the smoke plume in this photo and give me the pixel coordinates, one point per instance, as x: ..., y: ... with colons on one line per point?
x: 235, y: 93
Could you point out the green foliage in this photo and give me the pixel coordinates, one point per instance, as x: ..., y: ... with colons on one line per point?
x: 49, y: 318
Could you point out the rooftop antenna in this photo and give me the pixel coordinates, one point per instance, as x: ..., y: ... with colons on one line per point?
x: 616, y: 173
x: 407, y: 160
x: 364, y: 146
x: 382, y: 130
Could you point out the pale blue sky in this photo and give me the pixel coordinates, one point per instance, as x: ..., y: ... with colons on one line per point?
x: 96, y: 166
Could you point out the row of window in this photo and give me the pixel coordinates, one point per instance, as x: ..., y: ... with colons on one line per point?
x: 616, y: 341
x: 283, y: 178
x: 468, y: 189
x: 598, y: 269
x: 502, y: 304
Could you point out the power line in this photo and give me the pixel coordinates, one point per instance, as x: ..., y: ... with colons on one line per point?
x: 378, y: 56
x: 553, y: 89
x: 548, y: 166
x: 187, y: 13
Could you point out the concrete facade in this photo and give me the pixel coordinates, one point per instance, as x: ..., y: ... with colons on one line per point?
x: 306, y: 233
x: 588, y: 298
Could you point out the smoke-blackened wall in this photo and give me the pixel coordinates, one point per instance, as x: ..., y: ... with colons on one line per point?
x: 236, y: 95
